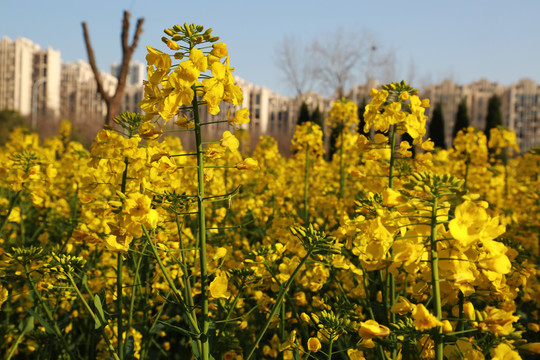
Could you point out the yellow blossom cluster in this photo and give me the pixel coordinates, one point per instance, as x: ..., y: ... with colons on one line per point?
x: 380, y: 253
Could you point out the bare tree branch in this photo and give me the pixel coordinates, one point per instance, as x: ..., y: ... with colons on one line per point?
x: 93, y: 65
x: 115, y: 101
x: 294, y: 60
x: 338, y: 58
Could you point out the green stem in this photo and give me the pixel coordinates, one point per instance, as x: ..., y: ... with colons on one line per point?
x: 48, y: 312
x: 460, y: 324
x: 15, y: 345
x: 119, y: 305
x: 390, y: 280
x: 136, y: 285
x: 436, y: 293
x: 306, y: 174
x: 330, y: 344
x: 188, y: 295
x: 505, y: 163
x: 192, y: 321
x: 94, y: 316
x: 341, y: 167
x: 119, y: 280
x: 12, y: 203
x: 230, y: 311
x: 282, y: 324
x: 467, y: 162
x: 202, y: 229
x: 277, y: 304
x: 392, y: 156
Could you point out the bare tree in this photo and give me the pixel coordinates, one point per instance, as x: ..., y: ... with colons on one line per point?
x: 387, y: 67
x: 294, y: 60
x: 114, y: 101
x: 338, y: 58
x: 411, y: 75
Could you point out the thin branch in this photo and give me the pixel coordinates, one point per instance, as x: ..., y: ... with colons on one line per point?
x: 93, y: 65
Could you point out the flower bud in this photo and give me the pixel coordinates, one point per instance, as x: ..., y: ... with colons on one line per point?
x: 314, y: 344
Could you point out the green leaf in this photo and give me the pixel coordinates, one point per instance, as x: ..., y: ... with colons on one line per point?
x: 100, y: 317
x: 27, y: 325
x: 195, y: 350
x: 48, y: 328
x: 176, y: 328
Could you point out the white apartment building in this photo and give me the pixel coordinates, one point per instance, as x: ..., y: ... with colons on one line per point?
x: 46, y: 91
x: 449, y: 94
x: 81, y: 102
x: 360, y: 94
x: 520, y: 106
x: 134, y: 85
x: 521, y: 111
x: 478, y: 94
x: 16, y: 74
x: 136, y: 72
x: 30, y: 81
x: 273, y: 114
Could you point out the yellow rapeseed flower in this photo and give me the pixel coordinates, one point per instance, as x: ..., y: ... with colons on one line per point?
x: 314, y: 344
x: 423, y: 319
x: 229, y: 141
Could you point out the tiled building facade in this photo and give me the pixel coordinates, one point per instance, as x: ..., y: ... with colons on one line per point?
x: 35, y: 83
x: 520, y: 105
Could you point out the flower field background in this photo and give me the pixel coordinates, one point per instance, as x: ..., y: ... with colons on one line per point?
x: 391, y: 250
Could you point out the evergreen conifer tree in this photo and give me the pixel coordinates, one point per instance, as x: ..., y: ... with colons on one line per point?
x: 361, y: 109
x: 436, y: 127
x: 317, y: 118
x: 334, y: 135
x: 462, y: 118
x: 494, y: 115
x: 304, y: 113
x: 9, y: 120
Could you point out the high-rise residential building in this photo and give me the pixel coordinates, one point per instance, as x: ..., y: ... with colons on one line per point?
x: 449, y: 94
x: 521, y: 110
x: 46, y: 91
x: 520, y: 106
x: 81, y: 102
x: 270, y: 114
x: 30, y: 82
x: 360, y: 94
x: 133, y: 94
x: 134, y: 90
x: 478, y: 94
x: 136, y: 72
x: 16, y: 74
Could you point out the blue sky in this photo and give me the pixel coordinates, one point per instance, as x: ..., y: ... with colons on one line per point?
x: 461, y: 40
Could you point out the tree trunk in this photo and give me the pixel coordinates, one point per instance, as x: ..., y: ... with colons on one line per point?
x: 114, y: 101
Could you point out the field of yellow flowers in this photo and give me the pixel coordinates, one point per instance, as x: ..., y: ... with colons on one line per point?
x: 138, y: 249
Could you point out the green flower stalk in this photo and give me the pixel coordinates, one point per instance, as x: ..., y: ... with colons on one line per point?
x: 342, y: 117
x: 306, y: 185
x: 48, y: 313
x: 436, y: 189
x: 315, y: 243
x: 435, y: 281
x: 177, y: 90
x: 202, y: 229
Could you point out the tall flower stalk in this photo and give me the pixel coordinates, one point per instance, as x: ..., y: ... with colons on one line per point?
x: 179, y: 90
x: 343, y: 117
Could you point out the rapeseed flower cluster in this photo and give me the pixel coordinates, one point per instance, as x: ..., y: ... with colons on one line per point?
x: 138, y: 248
